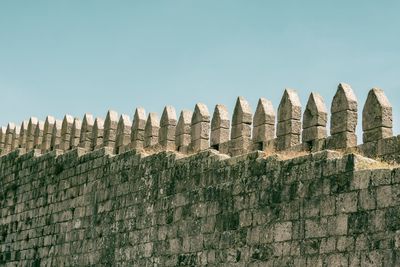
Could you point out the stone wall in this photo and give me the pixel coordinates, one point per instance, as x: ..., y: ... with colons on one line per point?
x: 81, y: 209
x: 204, y: 191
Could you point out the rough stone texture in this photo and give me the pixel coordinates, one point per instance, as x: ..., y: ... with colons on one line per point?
x: 138, y: 127
x: 23, y: 135
x: 30, y: 135
x: 47, y: 133
x: 38, y: 136
x: 151, y: 130
x: 56, y: 136
x: 289, y: 116
x: 110, y: 129
x: 86, y: 138
x: 263, y: 122
x: 123, y: 134
x: 98, y: 133
x: 167, y: 132
x: 343, y: 118
x: 315, y: 118
x: 95, y: 209
x: 241, y: 127
x: 2, y: 139
x: 200, y: 128
x: 220, y: 126
x: 182, y: 138
x: 66, y: 130
x: 377, y: 121
x: 75, y: 133
x: 8, y: 139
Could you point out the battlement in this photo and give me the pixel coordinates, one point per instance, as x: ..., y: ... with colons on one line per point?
x: 290, y: 128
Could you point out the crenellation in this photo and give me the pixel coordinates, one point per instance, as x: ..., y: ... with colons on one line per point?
x: 289, y: 124
x: 38, y: 137
x: 151, y: 130
x: 263, y: 123
x: 66, y: 130
x: 30, y: 135
x: 23, y: 134
x: 86, y: 138
x: 343, y: 118
x: 377, y: 121
x: 110, y: 129
x: 48, y: 133
x: 315, y: 118
x: 123, y: 134
x: 56, y: 135
x: 182, y: 134
x: 98, y: 134
x: 195, y: 132
x: 138, y: 128
x: 220, y: 126
x: 200, y: 128
x: 166, y: 135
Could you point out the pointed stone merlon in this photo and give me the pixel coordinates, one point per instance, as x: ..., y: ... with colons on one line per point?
x: 151, y: 130
x: 200, y: 128
x: 220, y: 125
x: 289, y: 116
x: 56, y: 135
x: 343, y: 118
x: 85, y: 140
x: 182, y: 134
x: 23, y: 134
x: 66, y: 130
x: 138, y: 127
x: 377, y: 120
x: 30, y: 135
x: 48, y: 133
x: 75, y: 133
x: 315, y: 118
x: 8, y: 140
x: 98, y: 134
x: 37, y: 143
x: 3, y: 131
x: 166, y: 135
x: 123, y: 134
x: 263, y: 123
x: 110, y: 129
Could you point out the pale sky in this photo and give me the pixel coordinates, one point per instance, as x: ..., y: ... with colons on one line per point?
x: 75, y: 56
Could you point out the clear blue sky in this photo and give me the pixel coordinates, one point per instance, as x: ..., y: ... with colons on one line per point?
x: 60, y: 57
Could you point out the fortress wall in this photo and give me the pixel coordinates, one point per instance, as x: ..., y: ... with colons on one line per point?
x: 289, y: 128
x: 81, y: 209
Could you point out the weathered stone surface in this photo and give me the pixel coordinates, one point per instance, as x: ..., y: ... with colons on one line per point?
x: 200, y: 128
x: 98, y: 133
x: 47, y: 133
x: 2, y: 138
x: 151, y: 130
x: 85, y: 140
x: 377, y: 119
x: 56, y: 135
x: 220, y: 124
x: 9, y: 134
x: 289, y: 116
x: 182, y: 138
x: 75, y: 133
x: 314, y: 119
x: 23, y: 134
x: 265, y: 113
x: 166, y: 135
x: 138, y: 127
x: 290, y: 106
x: 110, y: 129
x: 344, y: 99
x: 123, y: 134
x: 66, y: 130
x: 30, y: 135
x: 38, y: 137
x: 242, y: 112
x: 343, y: 118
